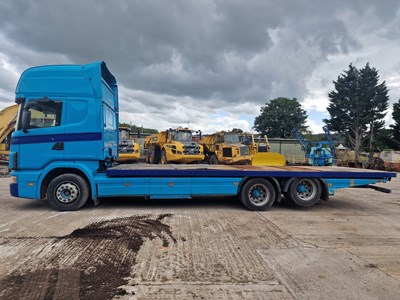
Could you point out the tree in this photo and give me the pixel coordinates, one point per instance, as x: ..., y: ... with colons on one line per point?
x: 135, y: 129
x: 279, y: 117
x: 357, y: 106
x: 237, y: 130
x: 395, y: 128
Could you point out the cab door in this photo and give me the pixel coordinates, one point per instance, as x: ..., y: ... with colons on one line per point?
x: 41, y: 140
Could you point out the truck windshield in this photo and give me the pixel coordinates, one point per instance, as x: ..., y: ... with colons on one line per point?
x: 232, y: 138
x: 182, y: 136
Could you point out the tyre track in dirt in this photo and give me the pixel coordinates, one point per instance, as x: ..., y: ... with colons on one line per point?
x: 90, y: 263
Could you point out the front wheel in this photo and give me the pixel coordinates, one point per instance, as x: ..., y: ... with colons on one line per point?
x: 67, y: 192
x: 164, y: 160
x: 304, y: 191
x: 258, y: 194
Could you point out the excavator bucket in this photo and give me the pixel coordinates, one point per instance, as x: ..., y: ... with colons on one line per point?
x: 272, y: 159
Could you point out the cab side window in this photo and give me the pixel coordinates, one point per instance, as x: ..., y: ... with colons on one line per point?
x: 109, y: 119
x: 44, y: 113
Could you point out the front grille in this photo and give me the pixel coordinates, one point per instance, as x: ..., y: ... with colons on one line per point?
x: 191, y: 149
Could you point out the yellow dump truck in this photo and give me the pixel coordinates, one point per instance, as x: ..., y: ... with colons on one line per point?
x: 128, y: 150
x: 225, y: 148
x: 7, y: 122
x: 173, y: 146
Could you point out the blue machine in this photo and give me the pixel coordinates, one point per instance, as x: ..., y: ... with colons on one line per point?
x: 320, y: 153
x: 66, y: 142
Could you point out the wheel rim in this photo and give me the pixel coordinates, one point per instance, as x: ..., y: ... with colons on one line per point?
x: 306, y: 189
x: 259, y: 194
x: 67, y: 192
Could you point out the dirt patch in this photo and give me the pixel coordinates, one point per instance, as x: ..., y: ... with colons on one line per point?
x: 90, y: 263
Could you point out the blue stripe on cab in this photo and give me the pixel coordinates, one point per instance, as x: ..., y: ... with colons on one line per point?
x: 64, y: 137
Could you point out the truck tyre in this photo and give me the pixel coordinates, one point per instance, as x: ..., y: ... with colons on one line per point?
x: 148, y: 157
x: 156, y: 155
x: 164, y: 160
x: 304, y: 191
x: 258, y: 194
x: 152, y: 156
x: 67, y: 192
x: 213, y: 160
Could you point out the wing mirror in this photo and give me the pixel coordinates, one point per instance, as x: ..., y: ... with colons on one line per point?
x: 26, y: 120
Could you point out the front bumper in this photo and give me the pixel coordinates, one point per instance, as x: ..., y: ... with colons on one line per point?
x: 184, y: 158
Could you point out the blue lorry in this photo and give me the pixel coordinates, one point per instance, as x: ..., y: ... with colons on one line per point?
x: 66, y: 142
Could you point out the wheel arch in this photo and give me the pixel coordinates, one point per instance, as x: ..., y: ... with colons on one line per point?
x: 272, y: 180
x: 47, y: 177
x: 325, y: 192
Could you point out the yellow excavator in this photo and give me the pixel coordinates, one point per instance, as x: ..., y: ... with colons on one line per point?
x: 8, y: 118
x: 225, y: 148
x: 128, y: 150
x: 174, y: 145
x: 260, y: 151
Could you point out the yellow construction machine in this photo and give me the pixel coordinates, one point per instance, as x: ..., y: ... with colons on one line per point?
x: 225, y: 148
x: 260, y: 151
x: 174, y: 145
x: 7, y: 123
x: 128, y: 150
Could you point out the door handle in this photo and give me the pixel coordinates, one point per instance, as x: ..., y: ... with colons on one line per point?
x: 58, y: 146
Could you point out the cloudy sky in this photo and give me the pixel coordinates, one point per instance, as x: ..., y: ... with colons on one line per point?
x: 209, y: 64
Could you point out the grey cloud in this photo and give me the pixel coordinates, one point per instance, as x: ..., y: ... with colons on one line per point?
x: 219, y: 54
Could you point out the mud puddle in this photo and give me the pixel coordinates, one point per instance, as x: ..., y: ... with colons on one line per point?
x: 90, y: 263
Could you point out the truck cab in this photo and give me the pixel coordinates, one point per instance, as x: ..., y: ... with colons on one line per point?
x: 69, y: 115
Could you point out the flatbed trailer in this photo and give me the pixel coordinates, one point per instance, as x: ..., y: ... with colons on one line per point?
x: 65, y: 146
x: 258, y: 187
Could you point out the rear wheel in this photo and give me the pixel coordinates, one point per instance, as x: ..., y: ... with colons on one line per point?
x: 304, y: 191
x: 258, y: 194
x: 67, y: 192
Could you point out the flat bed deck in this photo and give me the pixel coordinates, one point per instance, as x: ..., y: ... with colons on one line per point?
x: 172, y: 170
